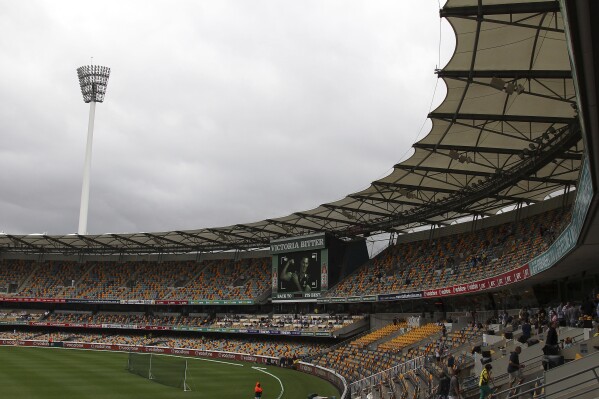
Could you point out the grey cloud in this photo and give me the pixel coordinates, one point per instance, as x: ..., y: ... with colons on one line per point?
x: 216, y: 112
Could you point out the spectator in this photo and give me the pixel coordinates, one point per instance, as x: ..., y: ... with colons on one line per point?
x: 551, y: 341
x: 485, y: 379
x: 572, y: 315
x: 542, y: 317
x: 551, y: 338
x: 524, y: 314
x: 561, y: 315
x: 505, y: 318
x: 553, y: 318
x: 444, y: 384
x: 450, y: 361
x: 455, y: 391
x: 526, y: 331
x: 568, y: 342
x: 514, y: 369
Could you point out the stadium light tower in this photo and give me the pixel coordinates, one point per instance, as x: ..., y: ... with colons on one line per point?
x: 93, y: 80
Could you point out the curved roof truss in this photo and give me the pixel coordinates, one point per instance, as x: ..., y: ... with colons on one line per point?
x: 506, y: 133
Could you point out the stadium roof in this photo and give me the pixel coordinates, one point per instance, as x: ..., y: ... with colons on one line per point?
x: 507, y: 133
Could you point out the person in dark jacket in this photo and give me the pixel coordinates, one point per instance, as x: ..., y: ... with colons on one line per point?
x: 443, y: 386
x: 450, y: 361
x: 526, y: 331
x: 551, y: 339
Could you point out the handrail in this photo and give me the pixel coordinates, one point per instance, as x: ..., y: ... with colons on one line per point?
x: 399, y: 369
x: 517, y: 387
x: 337, y: 346
x: 503, y: 376
x: 559, y: 380
x: 543, y: 386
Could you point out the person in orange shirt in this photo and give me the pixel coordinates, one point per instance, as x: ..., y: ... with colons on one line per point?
x: 258, y: 390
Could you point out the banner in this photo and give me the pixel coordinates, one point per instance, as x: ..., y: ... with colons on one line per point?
x: 510, y: 277
x: 304, y: 243
x: 295, y: 295
x: 108, y: 301
x: 38, y: 300
x: 348, y: 299
x: 253, y: 331
x: 568, y: 239
x: 131, y: 301
x: 69, y: 325
x: 134, y: 302
x: 171, y: 302
x: 222, y: 302
x: 401, y: 296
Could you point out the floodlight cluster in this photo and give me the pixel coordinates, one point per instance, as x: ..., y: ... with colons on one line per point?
x: 93, y: 80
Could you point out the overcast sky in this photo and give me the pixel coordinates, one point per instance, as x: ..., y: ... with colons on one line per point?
x: 216, y: 113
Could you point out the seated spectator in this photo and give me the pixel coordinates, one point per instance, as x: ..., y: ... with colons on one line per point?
x: 526, y: 331
x: 450, y: 361
x: 568, y: 342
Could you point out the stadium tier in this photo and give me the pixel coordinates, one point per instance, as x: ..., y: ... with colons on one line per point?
x: 391, y: 345
x: 209, y: 280
x: 175, y: 321
x: 403, y: 267
x: 259, y: 346
x: 454, y: 259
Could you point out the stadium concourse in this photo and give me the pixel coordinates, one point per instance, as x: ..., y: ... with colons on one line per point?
x: 492, y: 231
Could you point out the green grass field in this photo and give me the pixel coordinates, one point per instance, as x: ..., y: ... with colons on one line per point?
x: 75, y: 374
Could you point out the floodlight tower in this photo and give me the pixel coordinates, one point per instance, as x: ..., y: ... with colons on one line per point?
x: 93, y: 80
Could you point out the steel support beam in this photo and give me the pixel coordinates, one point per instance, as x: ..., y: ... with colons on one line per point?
x: 497, y: 9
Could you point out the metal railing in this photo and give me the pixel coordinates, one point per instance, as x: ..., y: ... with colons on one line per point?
x: 539, y: 389
x: 374, y: 379
x: 336, y: 346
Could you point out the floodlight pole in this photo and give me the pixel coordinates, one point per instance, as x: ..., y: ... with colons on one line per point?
x: 93, y: 80
x: 83, y: 209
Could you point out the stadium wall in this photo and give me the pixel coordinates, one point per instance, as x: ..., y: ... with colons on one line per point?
x: 329, y: 375
x: 242, y: 357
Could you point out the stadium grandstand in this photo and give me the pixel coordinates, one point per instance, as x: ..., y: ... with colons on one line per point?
x: 491, y: 230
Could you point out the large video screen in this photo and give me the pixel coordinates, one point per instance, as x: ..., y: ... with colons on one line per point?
x: 299, y: 272
x: 300, y: 267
